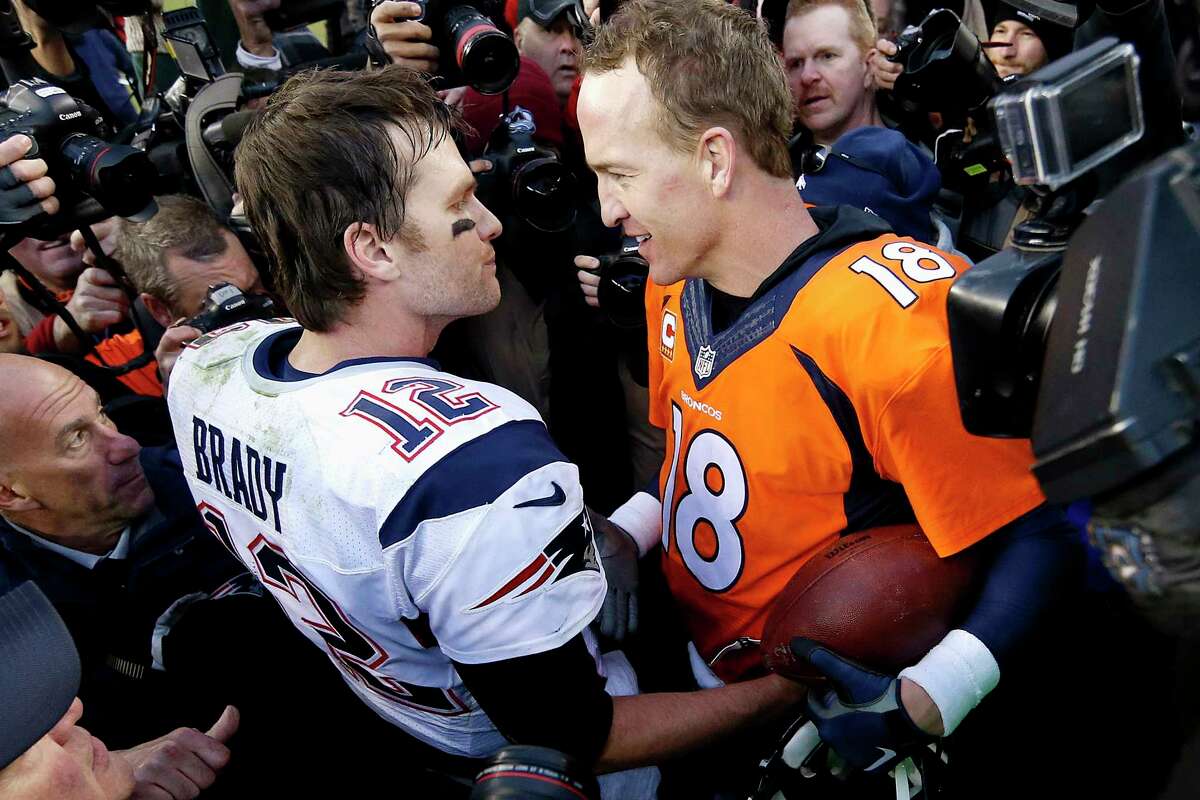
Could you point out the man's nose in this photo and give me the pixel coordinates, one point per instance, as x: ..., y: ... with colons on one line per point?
x: 122, y: 448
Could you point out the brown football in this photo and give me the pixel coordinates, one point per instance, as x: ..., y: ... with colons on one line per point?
x: 880, y: 597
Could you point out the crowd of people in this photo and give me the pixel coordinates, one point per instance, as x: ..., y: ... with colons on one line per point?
x: 432, y: 496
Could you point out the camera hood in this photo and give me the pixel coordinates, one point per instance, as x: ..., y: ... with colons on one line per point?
x: 944, y: 66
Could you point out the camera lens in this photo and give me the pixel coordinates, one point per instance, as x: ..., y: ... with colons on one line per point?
x: 522, y: 772
x: 544, y: 194
x: 118, y: 177
x: 487, y: 57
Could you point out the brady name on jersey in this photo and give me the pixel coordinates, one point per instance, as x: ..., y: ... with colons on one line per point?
x: 405, y: 519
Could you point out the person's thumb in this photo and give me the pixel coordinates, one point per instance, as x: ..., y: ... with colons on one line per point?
x: 225, y: 726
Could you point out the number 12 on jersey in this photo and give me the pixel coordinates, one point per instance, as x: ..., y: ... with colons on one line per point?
x: 720, y: 504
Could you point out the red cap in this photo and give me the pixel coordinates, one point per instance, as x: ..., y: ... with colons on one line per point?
x: 532, y: 91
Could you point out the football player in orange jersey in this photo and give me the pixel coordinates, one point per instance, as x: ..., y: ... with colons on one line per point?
x: 800, y: 365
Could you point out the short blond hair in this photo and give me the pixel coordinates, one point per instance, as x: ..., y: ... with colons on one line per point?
x: 707, y: 63
x: 862, y: 19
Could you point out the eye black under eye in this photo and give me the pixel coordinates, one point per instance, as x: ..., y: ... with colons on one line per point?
x: 462, y: 226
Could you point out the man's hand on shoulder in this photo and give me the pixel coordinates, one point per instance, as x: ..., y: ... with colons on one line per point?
x: 179, y: 765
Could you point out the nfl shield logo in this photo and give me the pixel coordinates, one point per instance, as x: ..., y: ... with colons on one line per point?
x: 704, y: 361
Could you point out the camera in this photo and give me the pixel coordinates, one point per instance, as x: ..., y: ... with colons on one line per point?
x: 622, y: 291
x: 1001, y: 311
x: 67, y: 134
x: 527, y: 180
x: 1095, y: 351
x: 945, y: 67
x: 947, y: 70
x: 473, y: 50
x: 225, y: 305
x: 520, y: 772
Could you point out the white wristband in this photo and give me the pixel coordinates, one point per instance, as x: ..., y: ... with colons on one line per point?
x: 641, y: 517
x: 250, y: 60
x: 957, y: 673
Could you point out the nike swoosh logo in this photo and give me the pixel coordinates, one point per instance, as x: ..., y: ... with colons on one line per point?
x: 888, y: 755
x: 557, y: 499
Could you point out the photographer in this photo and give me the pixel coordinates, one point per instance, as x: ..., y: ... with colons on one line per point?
x: 173, y: 260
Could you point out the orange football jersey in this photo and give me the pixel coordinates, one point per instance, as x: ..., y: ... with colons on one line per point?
x: 828, y: 406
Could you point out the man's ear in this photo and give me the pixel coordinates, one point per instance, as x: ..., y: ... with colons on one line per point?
x: 869, y: 72
x: 158, y: 309
x: 718, y: 157
x: 368, y: 252
x: 13, y: 500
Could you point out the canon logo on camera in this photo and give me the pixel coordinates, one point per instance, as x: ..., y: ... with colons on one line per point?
x: 70, y: 115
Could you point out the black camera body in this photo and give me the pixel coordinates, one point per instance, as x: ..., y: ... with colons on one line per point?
x: 945, y: 68
x: 527, y: 183
x: 67, y: 133
x: 622, y: 292
x: 225, y: 305
x: 294, y: 13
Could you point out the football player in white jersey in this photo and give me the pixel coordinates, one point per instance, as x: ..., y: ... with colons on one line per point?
x: 420, y: 528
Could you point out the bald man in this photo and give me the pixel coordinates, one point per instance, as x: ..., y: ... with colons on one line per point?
x: 78, y: 516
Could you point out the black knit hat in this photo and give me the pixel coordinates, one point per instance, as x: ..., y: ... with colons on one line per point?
x: 1057, y: 39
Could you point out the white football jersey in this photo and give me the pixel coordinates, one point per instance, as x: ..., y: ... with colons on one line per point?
x: 401, y: 516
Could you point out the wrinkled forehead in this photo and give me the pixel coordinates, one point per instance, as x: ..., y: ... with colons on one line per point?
x: 42, y: 401
x: 821, y: 27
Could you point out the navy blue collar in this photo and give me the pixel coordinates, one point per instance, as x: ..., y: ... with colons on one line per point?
x: 711, y: 351
x: 271, y: 359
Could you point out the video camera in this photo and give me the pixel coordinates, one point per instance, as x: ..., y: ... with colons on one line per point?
x: 474, y: 51
x: 1056, y: 126
x: 1085, y: 337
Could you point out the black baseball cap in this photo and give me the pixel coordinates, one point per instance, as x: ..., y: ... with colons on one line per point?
x: 39, y: 669
x: 544, y: 12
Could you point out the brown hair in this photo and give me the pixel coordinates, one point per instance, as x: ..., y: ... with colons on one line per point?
x: 321, y: 158
x: 183, y: 226
x: 707, y: 63
x: 863, y: 28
